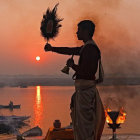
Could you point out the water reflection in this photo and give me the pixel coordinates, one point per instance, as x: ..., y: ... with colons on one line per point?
x: 38, y: 107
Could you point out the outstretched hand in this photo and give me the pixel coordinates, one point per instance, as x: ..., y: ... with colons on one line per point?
x: 70, y: 62
x: 48, y: 47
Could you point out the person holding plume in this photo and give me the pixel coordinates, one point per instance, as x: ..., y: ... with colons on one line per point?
x: 87, y: 111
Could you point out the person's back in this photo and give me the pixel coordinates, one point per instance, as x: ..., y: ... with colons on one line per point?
x: 11, y: 104
x: 88, y: 62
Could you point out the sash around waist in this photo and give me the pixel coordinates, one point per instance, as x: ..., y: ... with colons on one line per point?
x: 81, y: 84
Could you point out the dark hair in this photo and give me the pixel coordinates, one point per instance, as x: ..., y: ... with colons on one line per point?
x: 87, y: 25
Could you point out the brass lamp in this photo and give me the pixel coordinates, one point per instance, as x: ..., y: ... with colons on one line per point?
x: 66, y: 68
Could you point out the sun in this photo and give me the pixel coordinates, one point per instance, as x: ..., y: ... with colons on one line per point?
x: 37, y: 58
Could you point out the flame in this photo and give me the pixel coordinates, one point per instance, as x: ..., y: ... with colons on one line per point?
x: 108, y: 119
x: 121, y: 118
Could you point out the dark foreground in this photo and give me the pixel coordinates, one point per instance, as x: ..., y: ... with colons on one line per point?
x: 104, y: 137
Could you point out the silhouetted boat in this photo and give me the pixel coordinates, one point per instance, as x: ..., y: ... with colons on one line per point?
x: 10, y: 107
x: 36, y: 131
x: 13, y: 118
x: 11, y: 124
x: 23, y: 86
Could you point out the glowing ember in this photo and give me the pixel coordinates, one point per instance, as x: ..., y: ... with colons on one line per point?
x: 120, y: 119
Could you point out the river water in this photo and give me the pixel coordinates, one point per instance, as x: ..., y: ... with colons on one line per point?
x: 48, y: 103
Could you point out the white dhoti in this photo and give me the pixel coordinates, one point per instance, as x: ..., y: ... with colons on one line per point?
x: 87, y: 111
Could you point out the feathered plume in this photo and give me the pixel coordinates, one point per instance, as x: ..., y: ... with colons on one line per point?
x: 50, y: 24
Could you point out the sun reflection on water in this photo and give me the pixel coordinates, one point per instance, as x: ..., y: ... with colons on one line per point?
x: 38, y: 107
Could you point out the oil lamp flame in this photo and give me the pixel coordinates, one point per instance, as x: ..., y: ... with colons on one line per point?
x: 120, y: 119
x: 108, y: 119
x: 122, y: 116
x: 114, y: 119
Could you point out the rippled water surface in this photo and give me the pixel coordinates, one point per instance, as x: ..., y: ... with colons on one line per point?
x: 46, y: 104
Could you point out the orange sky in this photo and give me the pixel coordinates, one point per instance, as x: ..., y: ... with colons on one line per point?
x: 117, y: 34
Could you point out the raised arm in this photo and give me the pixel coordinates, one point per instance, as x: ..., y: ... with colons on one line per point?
x: 63, y: 50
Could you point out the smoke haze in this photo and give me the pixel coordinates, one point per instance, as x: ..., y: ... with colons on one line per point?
x: 117, y: 34
x: 119, y: 96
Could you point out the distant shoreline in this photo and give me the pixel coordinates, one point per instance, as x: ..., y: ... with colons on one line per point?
x: 26, y: 81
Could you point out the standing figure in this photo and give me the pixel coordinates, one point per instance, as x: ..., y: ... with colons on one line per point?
x: 11, y: 104
x: 87, y: 111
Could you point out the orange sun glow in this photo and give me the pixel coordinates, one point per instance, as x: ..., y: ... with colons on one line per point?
x: 37, y: 58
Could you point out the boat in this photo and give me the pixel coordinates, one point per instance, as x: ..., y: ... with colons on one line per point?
x: 36, y: 131
x: 13, y: 119
x: 10, y: 107
x: 23, y: 86
x: 11, y: 124
x: 4, y: 128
